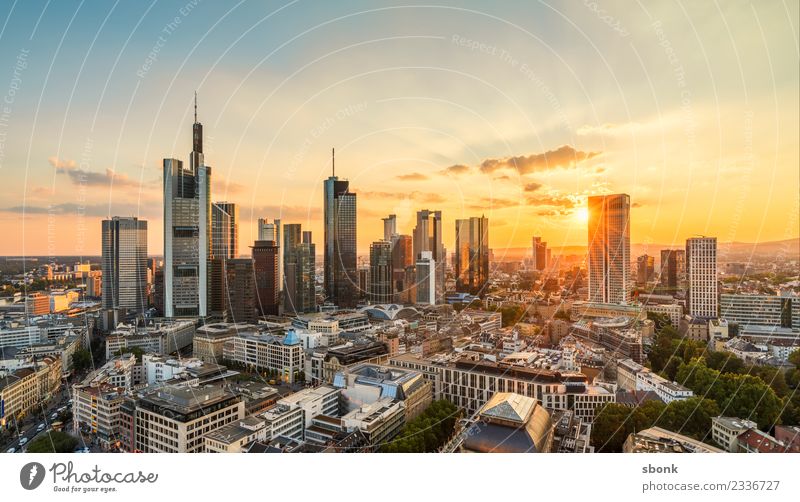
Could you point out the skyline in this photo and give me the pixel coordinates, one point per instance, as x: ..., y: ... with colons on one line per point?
x: 523, y: 128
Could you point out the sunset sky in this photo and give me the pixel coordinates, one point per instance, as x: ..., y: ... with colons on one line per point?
x: 515, y: 110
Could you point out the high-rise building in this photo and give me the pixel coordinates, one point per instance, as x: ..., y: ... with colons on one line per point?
x: 539, y: 249
x: 224, y: 230
x: 426, y: 279
x: 339, y: 215
x: 673, y: 267
x: 187, y: 231
x: 299, y: 263
x: 124, y: 268
x: 472, y: 255
x: 609, y: 248
x: 380, y: 272
x: 389, y: 227
x: 272, y: 232
x: 241, y: 290
x: 428, y: 237
x: 266, y: 257
x: 701, y: 270
x: 402, y: 258
x: 645, y: 269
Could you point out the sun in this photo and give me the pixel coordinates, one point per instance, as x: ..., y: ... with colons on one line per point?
x: 581, y: 215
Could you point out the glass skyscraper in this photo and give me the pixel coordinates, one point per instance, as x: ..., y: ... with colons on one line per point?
x: 339, y: 213
x: 609, y: 248
x: 124, y: 267
x: 472, y: 255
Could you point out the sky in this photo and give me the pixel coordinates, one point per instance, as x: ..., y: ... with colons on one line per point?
x: 513, y: 110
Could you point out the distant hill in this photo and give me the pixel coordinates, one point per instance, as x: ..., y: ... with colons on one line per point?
x: 727, y: 250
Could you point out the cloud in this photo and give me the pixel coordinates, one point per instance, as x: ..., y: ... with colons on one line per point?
x: 414, y: 195
x: 411, y: 177
x: 286, y: 213
x: 220, y: 185
x: 637, y: 204
x: 90, y: 178
x: 554, y: 200
x: 93, y: 210
x: 492, y: 203
x: 532, y: 187
x: 564, y: 157
x: 456, y: 170
x: 608, y: 129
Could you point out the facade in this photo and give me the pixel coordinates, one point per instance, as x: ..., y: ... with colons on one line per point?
x: 187, y: 232
x: 472, y: 255
x: 267, y: 352
x: 159, y: 338
x: 224, y: 230
x: 389, y: 227
x: 124, y: 265
x: 175, y: 419
x: 427, y: 236
x: 380, y: 272
x: 725, y: 431
x: 779, y: 311
x: 340, y: 252
x: 25, y: 388
x: 701, y: 271
x: 266, y: 258
x: 609, y: 248
x: 402, y: 259
x: 241, y: 281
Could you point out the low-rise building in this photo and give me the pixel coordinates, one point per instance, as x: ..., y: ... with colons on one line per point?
x: 283, y: 354
x: 725, y: 431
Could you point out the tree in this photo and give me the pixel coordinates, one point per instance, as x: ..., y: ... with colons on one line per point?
x: 53, y: 442
x: 81, y: 360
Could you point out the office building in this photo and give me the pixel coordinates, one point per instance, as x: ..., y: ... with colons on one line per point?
x: 673, y: 267
x: 510, y: 423
x: 241, y: 280
x: 427, y: 236
x: 224, y: 230
x: 775, y: 311
x: 187, y: 229
x: 299, y: 254
x: 272, y: 232
x: 472, y: 255
x: 425, y: 284
x: 124, y: 265
x: 339, y: 220
x: 380, y: 272
x: 645, y: 269
x: 540, y: 254
x: 402, y: 258
x: 609, y: 248
x: 389, y: 227
x: 283, y: 354
x: 266, y: 255
x: 701, y: 271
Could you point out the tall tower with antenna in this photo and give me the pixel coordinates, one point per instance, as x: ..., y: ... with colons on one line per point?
x: 340, y: 253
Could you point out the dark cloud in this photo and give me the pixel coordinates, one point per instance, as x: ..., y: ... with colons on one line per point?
x: 411, y: 177
x: 532, y: 187
x: 564, y: 157
x: 456, y: 169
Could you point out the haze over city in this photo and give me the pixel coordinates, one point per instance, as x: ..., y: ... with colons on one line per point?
x: 456, y: 107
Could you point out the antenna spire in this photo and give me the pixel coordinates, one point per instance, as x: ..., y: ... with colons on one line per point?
x: 195, y: 107
x: 333, y: 162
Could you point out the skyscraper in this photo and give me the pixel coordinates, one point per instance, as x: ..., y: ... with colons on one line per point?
x: 339, y: 216
x: 673, y: 267
x: 265, y: 258
x: 225, y: 231
x: 402, y: 258
x: 241, y: 290
x: 609, y: 248
x: 472, y: 255
x: 124, y: 268
x: 299, y: 253
x: 701, y: 269
x: 272, y: 232
x: 428, y: 237
x: 426, y: 279
x: 380, y: 272
x: 187, y: 229
x: 539, y: 249
x: 389, y: 227
x: 645, y: 269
